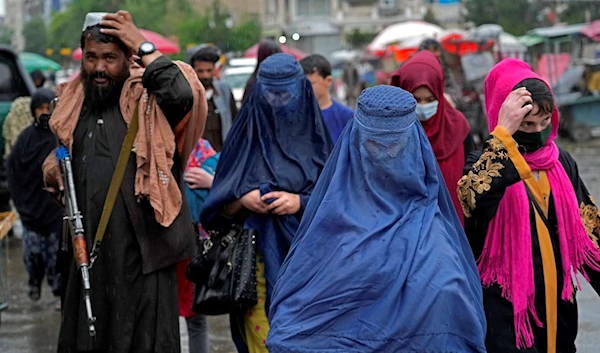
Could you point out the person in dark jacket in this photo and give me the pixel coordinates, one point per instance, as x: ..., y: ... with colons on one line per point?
x: 38, y: 78
x: 529, y: 218
x: 221, y: 104
x: 134, y: 291
x: 40, y: 214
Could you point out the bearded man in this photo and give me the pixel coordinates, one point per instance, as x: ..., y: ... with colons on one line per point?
x: 134, y: 287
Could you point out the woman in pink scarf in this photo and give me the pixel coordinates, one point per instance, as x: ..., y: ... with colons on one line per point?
x: 529, y: 218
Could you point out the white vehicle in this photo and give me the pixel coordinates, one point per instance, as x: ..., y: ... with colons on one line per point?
x: 242, y: 62
x: 237, y: 77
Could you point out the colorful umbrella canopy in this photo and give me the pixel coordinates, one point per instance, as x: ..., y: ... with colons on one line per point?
x: 252, y: 52
x: 164, y: 45
x: 400, y: 32
x: 33, y: 61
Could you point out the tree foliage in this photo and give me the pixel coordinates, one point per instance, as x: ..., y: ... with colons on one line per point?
x: 430, y: 17
x: 576, y: 11
x: 515, y: 16
x: 6, y: 36
x: 358, y: 39
x: 36, y: 36
x: 175, y: 19
x: 519, y: 16
x: 65, y: 27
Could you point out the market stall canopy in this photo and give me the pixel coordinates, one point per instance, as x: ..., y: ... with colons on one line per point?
x: 32, y: 61
x: 252, y: 52
x: 592, y: 31
x: 442, y: 37
x: 552, y: 66
x: 163, y: 44
x: 453, y: 41
x: 400, y: 32
x: 558, y: 31
x: 510, y: 43
x: 529, y: 40
x: 486, y: 32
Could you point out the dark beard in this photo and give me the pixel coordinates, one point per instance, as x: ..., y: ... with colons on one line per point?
x: 98, y: 98
x: 207, y: 83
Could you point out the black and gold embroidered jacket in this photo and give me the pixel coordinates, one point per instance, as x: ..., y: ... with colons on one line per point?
x: 487, y: 174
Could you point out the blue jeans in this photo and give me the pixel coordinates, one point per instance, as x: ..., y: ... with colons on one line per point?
x: 39, y: 256
x: 197, y: 327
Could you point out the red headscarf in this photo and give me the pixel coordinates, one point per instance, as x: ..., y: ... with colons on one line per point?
x: 448, y: 128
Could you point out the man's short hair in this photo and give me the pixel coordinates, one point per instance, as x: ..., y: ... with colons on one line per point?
x: 431, y: 45
x: 209, y: 54
x: 316, y: 64
x: 93, y: 33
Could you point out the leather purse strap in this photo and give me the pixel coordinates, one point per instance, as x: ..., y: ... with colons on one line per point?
x: 115, y: 185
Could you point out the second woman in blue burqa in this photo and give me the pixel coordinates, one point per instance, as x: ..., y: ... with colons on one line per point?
x: 380, y: 262
x: 269, y: 165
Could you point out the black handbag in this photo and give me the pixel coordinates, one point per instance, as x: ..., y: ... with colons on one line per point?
x: 224, y: 272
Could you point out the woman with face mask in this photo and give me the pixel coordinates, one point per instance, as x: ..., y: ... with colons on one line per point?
x: 447, y: 129
x: 529, y: 218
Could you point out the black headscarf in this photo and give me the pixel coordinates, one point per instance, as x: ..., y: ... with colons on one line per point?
x: 39, y: 97
x: 38, y: 211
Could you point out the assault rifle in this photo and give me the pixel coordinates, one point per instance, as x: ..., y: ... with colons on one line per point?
x: 77, y: 232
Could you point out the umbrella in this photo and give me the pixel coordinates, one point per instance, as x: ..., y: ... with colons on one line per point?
x: 400, y: 32
x: 33, y: 62
x: 164, y: 45
x: 442, y: 37
x: 252, y: 52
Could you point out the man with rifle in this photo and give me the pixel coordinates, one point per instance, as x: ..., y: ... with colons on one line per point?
x: 127, y: 131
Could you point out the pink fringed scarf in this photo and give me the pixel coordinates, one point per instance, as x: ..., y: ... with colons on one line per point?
x: 506, y: 258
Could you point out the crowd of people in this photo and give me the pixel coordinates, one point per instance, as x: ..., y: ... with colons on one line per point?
x: 382, y: 229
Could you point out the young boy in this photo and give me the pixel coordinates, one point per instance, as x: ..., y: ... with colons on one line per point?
x: 336, y: 115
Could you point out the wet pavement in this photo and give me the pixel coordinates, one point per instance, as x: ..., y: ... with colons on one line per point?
x: 32, y: 327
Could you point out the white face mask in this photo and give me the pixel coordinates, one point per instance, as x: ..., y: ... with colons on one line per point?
x: 426, y: 111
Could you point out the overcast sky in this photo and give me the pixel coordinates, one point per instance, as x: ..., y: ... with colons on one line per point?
x: 1, y: 7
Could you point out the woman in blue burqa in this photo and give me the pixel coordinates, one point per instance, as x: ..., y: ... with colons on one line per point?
x: 380, y: 262
x: 269, y: 166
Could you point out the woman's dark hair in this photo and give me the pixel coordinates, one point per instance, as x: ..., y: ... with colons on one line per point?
x: 540, y: 93
x: 266, y: 48
x: 93, y: 33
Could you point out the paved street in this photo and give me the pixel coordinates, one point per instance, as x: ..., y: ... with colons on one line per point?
x: 28, y: 327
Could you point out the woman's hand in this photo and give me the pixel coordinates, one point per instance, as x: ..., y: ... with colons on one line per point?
x: 286, y: 203
x: 198, y: 178
x: 513, y: 109
x: 254, y: 203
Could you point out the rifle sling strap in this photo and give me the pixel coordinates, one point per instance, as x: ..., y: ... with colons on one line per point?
x: 115, y: 185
